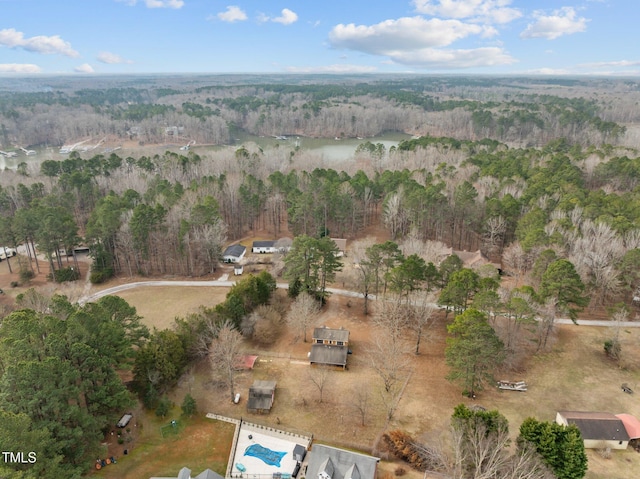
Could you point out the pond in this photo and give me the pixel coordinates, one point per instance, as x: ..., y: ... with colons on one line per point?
x: 331, y: 150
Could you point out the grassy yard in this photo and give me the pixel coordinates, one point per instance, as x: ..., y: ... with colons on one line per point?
x: 200, y: 443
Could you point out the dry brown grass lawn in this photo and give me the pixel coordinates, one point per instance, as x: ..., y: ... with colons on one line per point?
x: 160, y: 306
x: 574, y: 374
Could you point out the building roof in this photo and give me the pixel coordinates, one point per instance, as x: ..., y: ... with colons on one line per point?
x: 264, y: 244
x: 341, y: 243
x: 328, y: 354
x: 245, y: 361
x: 631, y: 424
x: 234, y: 250
x: 208, y: 474
x: 299, y: 452
x: 329, y: 334
x: 263, y: 386
x: 340, y: 464
x: 597, y: 425
x: 261, y: 395
x: 185, y: 473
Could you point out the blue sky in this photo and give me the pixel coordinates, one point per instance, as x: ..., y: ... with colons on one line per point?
x: 568, y: 37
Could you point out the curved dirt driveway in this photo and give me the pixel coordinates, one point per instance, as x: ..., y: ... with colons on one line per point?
x: 340, y: 292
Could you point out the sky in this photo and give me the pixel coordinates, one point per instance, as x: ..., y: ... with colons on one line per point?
x: 491, y: 37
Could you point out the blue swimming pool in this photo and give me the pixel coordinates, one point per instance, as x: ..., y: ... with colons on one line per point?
x: 268, y: 456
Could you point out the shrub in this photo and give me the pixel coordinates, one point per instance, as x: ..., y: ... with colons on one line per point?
x: 402, y: 446
x: 65, y: 274
x: 98, y: 277
x: 14, y: 284
x: 26, y: 275
x: 400, y: 471
x: 613, y: 348
x: 189, y: 407
x: 164, y: 405
x: 604, y: 451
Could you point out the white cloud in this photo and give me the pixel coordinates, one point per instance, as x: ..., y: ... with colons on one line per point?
x: 443, y: 59
x: 617, y: 64
x: 156, y: 3
x: 416, y: 41
x: 490, y: 11
x: 337, y: 68
x: 164, y: 4
x: 287, y: 17
x: 548, y: 71
x: 561, y: 22
x: 19, y: 68
x: 232, y: 14
x: 404, y: 34
x: 84, y: 68
x: 111, y: 58
x: 9, y: 37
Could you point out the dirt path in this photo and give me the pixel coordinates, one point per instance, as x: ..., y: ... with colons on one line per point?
x: 340, y: 292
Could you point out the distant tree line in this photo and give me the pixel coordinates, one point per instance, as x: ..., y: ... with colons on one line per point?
x: 211, y: 114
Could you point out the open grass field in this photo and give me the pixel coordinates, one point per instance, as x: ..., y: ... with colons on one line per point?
x: 160, y: 306
x: 200, y: 443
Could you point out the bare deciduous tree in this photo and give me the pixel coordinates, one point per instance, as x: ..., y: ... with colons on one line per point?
x: 422, y: 311
x: 392, y: 317
x: 224, y: 354
x: 389, y: 358
x: 263, y: 325
x: 495, y: 228
x: 364, y: 271
x: 318, y: 376
x: 517, y: 260
x: 393, y: 215
x: 390, y: 399
x: 361, y: 400
x: 302, y: 314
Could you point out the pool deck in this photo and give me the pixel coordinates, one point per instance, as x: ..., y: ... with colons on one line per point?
x: 266, y: 436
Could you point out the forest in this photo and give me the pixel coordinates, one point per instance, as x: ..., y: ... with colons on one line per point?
x: 541, y: 175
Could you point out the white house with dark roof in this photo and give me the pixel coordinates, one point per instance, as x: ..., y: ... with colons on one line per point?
x: 234, y: 253
x: 263, y: 246
x: 598, y: 429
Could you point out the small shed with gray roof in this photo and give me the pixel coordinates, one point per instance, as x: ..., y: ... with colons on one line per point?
x: 261, y: 396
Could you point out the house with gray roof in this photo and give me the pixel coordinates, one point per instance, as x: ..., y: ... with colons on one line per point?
x: 185, y: 473
x: 234, y: 253
x: 598, y: 429
x: 326, y: 462
x: 329, y: 347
